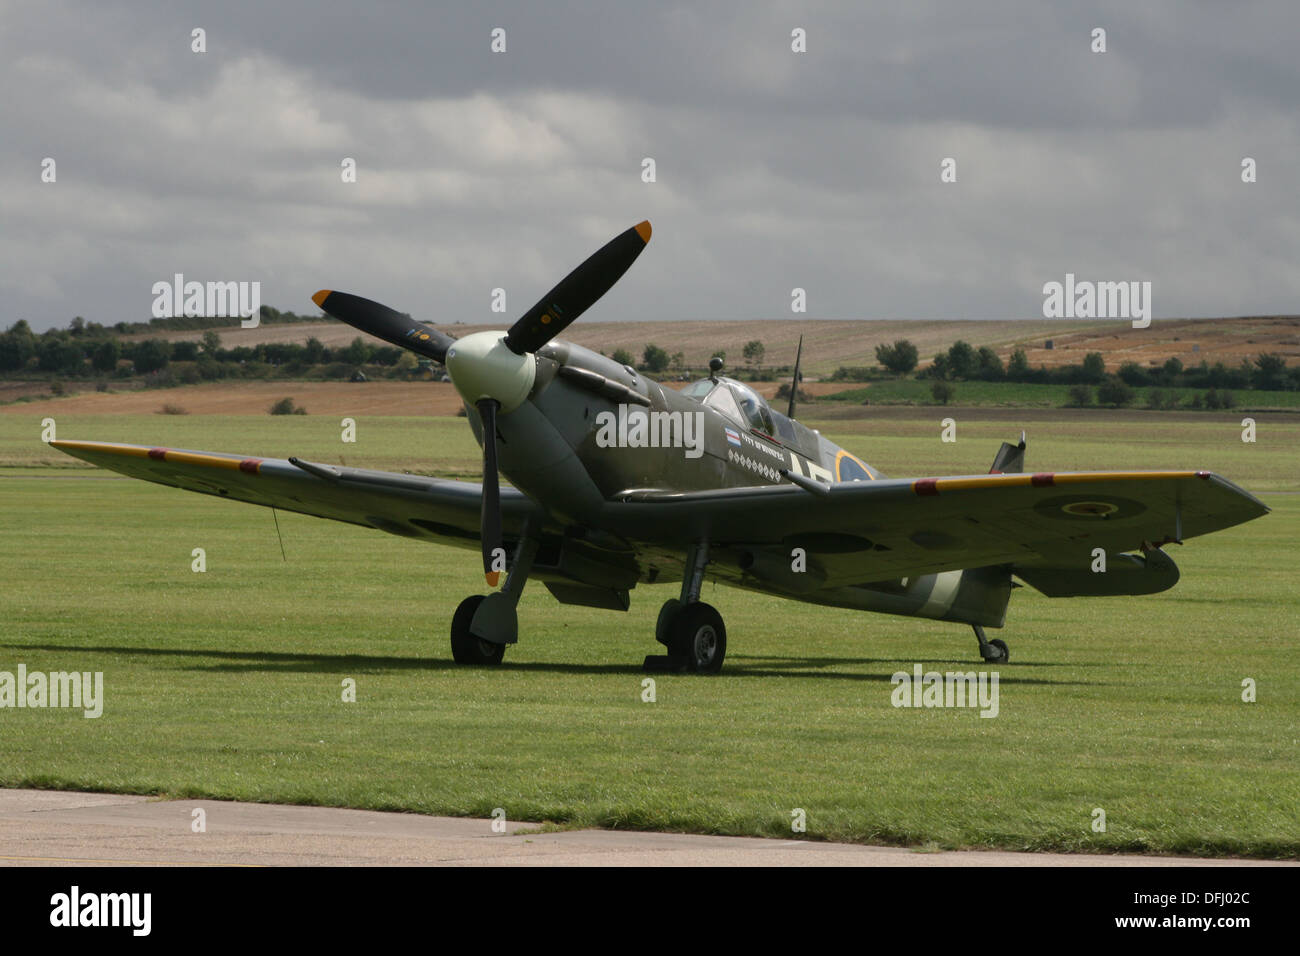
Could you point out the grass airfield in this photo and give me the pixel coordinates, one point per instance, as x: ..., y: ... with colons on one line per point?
x: 227, y: 684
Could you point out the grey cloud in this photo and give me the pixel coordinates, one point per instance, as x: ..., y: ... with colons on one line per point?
x: 775, y: 170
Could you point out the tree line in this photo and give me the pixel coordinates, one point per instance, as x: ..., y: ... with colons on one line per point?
x: 963, y: 362
x: 82, y: 352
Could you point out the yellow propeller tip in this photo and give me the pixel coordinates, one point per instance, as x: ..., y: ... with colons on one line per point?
x: 643, y: 230
x: 320, y: 297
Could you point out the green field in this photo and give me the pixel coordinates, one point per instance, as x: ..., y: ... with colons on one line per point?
x: 227, y: 684
x: 910, y: 391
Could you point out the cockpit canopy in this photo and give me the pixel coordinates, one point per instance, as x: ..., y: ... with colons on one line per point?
x: 739, y: 403
x: 736, y: 401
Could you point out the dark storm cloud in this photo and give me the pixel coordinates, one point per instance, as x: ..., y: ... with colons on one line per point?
x: 775, y: 170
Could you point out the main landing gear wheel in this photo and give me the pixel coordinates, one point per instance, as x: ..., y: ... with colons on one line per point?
x: 697, y: 638
x: 465, y: 647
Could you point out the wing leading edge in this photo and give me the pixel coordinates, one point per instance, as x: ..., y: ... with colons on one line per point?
x: 409, y: 505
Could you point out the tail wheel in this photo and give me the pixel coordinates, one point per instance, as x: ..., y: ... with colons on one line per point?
x: 697, y: 635
x: 465, y: 647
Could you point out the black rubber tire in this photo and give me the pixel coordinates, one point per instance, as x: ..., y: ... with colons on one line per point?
x: 698, y: 637
x: 662, y: 624
x: 1001, y: 645
x: 465, y: 647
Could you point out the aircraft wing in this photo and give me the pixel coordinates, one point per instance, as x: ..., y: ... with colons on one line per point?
x: 864, y: 531
x: 857, y: 532
x: 410, y: 505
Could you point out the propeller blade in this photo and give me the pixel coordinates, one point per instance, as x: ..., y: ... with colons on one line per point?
x: 384, y: 323
x: 490, y: 515
x: 578, y: 291
x: 794, y: 386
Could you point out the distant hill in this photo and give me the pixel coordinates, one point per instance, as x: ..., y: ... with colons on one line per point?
x: 830, y: 344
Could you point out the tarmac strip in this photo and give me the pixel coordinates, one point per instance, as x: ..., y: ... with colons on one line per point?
x: 62, y: 828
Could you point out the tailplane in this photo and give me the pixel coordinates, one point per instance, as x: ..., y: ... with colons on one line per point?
x: 1010, y: 459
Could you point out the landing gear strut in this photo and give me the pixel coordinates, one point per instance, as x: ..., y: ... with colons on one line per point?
x: 994, y: 651
x: 485, y: 623
x: 692, y: 631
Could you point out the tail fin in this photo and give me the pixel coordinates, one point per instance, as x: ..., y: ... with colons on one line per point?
x: 1010, y: 459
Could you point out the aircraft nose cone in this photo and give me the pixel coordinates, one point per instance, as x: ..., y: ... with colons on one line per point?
x: 481, y: 367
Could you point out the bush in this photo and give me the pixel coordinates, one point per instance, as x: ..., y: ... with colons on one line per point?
x: 208, y: 368
x: 943, y: 392
x: 151, y: 355
x: 901, y: 357
x: 1159, y: 398
x: 1131, y: 373
x: 963, y: 361
x: 655, y: 359
x: 357, y: 353
x: 55, y: 353
x: 105, y: 356
x: 938, y: 369
x: 851, y: 373
x: 162, y: 379
x: 990, y: 366
x: 170, y: 409
x: 1114, y: 392
x: 783, y: 394
x: 285, y: 406
x: 1215, y: 399
x: 1270, y: 371
x: 1018, y: 367
x: 1080, y: 395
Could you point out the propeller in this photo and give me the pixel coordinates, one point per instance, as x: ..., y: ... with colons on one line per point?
x: 384, y: 323
x: 578, y: 291
x: 491, y: 371
x: 794, y: 386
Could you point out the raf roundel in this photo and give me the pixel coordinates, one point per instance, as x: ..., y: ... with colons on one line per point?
x: 1089, y: 508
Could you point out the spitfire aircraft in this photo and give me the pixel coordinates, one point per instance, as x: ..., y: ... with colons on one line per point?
x: 619, y: 481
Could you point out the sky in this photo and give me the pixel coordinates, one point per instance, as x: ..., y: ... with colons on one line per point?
x: 774, y: 169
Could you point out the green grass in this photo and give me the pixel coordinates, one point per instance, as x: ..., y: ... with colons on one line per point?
x: 909, y: 391
x: 227, y: 684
